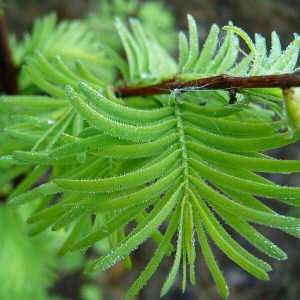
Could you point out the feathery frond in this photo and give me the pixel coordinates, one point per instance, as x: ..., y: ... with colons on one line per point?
x: 152, y: 14
x: 190, y: 160
x: 23, y: 257
x: 70, y: 40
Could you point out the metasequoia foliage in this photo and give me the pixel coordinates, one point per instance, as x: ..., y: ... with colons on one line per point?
x: 20, y: 251
x: 192, y: 158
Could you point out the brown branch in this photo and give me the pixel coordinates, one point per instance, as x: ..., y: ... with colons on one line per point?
x: 220, y: 82
x: 8, y: 73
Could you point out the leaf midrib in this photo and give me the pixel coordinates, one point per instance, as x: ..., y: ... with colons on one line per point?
x: 182, y: 148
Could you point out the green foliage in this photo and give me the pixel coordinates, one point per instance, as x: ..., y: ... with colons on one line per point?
x: 152, y: 14
x: 27, y: 264
x: 159, y: 158
x: 292, y: 104
x: 71, y: 40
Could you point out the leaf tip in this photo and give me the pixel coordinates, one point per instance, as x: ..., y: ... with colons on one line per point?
x: 90, y: 268
x: 13, y: 202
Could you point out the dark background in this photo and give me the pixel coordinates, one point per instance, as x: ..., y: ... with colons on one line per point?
x: 262, y: 16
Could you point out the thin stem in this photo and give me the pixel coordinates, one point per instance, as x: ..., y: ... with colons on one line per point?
x: 220, y: 82
x: 8, y: 73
